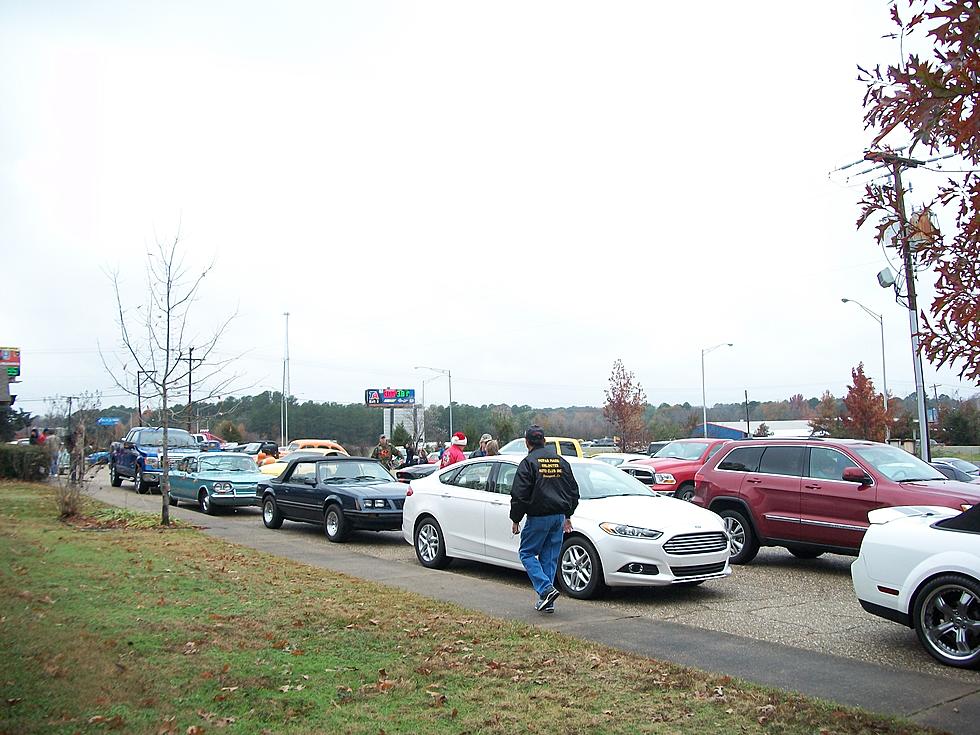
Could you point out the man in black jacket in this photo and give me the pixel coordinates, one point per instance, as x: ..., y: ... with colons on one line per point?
x: 545, y: 491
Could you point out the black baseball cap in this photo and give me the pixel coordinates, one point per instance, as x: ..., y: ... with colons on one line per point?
x: 534, y: 434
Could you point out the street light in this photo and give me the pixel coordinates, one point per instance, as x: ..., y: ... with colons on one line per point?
x: 884, y: 377
x: 448, y: 374
x: 704, y: 402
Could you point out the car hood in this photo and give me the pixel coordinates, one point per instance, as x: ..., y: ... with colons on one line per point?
x: 925, y: 514
x: 373, y: 489
x: 649, y: 511
x: 946, y: 488
x: 666, y: 464
x: 171, y: 452
x: 239, y: 477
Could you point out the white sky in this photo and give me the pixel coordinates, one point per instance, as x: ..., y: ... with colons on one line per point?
x: 519, y: 192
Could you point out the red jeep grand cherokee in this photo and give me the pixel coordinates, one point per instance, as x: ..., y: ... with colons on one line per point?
x: 813, y: 495
x: 674, y: 465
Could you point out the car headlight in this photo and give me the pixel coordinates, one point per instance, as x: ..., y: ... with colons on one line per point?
x: 151, y: 463
x: 375, y: 503
x: 221, y: 487
x: 620, y: 529
x: 664, y: 478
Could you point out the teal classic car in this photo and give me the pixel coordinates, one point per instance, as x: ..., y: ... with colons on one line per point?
x: 214, y: 479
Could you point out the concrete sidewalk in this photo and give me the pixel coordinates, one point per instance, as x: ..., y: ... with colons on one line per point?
x: 922, y: 698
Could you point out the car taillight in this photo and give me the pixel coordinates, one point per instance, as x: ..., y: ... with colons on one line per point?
x: 409, y: 491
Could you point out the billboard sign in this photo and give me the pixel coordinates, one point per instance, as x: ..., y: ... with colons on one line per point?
x: 10, y: 361
x: 107, y: 421
x: 389, y: 397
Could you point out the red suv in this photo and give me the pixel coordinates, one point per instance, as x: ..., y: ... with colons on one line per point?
x: 813, y: 495
x: 674, y: 466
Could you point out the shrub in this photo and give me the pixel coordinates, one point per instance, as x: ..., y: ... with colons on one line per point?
x: 23, y: 462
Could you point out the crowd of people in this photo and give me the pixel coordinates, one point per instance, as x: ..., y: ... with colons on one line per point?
x: 414, y: 454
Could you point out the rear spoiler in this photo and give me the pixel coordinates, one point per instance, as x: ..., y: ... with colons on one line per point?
x: 887, y: 515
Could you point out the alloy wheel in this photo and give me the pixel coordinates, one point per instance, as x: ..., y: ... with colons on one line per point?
x: 950, y: 621
x: 736, y: 535
x: 576, y: 568
x: 428, y: 542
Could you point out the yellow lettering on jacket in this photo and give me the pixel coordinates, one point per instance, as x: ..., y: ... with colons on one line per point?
x: 549, y: 467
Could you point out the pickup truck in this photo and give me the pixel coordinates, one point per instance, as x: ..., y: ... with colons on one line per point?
x: 563, y: 445
x: 138, y: 457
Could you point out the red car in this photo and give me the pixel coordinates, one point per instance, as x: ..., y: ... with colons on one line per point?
x: 674, y: 466
x: 814, y: 495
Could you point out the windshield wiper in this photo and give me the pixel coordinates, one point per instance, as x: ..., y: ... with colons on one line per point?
x: 369, y: 477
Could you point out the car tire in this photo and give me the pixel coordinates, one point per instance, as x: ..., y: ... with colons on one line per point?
x: 336, y: 527
x: 171, y: 499
x: 114, y: 479
x: 205, y: 503
x: 685, y: 492
x: 430, y: 544
x: 743, y: 545
x: 138, y: 484
x: 271, y: 516
x: 804, y: 553
x: 950, y: 602
x: 579, y: 572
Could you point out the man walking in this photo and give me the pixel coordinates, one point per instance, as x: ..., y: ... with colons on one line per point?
x: 545, y: 491
x: 384, y: 453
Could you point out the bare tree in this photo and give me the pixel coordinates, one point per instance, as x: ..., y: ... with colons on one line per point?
x: 161, y: 347
x: 625, y: 405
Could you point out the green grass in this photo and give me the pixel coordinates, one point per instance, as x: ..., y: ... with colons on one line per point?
x: 139, y: 629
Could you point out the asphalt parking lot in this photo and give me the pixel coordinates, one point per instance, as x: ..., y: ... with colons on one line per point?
x: 807, y: 604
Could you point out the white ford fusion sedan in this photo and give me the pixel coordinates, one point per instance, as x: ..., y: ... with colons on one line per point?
x: 623, y: 533
x: 920, y: 566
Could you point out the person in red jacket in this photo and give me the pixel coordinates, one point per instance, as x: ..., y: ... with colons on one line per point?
x: 455, y: 452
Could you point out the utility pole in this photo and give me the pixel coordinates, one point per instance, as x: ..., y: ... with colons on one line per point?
x: 748, y: 431
x: 190, y: 382
x: 284, y: 412
x: 897, y: 163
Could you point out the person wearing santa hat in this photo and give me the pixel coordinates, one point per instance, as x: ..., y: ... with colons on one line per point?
x: 455, y: 452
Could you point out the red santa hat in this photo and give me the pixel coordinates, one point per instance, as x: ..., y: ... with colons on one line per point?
x: 459, y: 439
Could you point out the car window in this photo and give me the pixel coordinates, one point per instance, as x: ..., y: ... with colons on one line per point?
x: 303, y: 471
x: 505, y: 477
x: 683, y: 450
x: 782, y: 461
x: 742, y: 459
x: 713, y: 451
x: 474, y: 476
x: 599, y: 480
x: 828, y: 464
x: 567, y: 448
x: 896, y: 464
x: 191, y: 465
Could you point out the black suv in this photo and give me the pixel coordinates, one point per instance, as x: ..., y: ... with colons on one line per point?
x: 340, y: 493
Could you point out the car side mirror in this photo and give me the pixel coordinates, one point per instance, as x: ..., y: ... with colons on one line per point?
x: 311, y: 481
x: 129, y: 445
x: 856, y: 474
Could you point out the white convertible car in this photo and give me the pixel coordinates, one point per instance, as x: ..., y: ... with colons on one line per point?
x: 920, y: 566
x: 624, y: 534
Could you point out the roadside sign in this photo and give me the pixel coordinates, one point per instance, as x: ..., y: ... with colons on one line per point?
x: 389, y: 397
x: 10, y: 360
x: 107, y: 421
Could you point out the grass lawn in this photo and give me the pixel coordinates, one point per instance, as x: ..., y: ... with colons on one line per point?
x: 109, y: 627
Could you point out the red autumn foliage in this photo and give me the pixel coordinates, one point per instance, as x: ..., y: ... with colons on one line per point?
x: 936, y: 99
x: 864, y: 409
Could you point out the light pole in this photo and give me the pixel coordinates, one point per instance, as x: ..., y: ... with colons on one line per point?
x: 704, y: 401
x: 884, y: 377
x: 424, y: 381
x: 448, y: 374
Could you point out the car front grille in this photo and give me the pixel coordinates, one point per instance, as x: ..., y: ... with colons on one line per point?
x: 696, y: 543
x: 399, y: 503
x: 698, y: 570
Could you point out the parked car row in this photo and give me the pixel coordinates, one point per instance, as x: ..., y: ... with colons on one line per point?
x: 916, y: 532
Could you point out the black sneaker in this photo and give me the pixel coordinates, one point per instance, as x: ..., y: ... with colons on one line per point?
x: 547, y: 601
x: 550, y: 609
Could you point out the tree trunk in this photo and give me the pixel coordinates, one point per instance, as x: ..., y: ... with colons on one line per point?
x: 165, y: 464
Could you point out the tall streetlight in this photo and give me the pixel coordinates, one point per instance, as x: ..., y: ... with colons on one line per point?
x: 424, y: 381
x: 448, y: 374
x: 884, y: 377
x: 704, y: 401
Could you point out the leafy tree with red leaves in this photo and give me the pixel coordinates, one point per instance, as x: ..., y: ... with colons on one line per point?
x: 827, y: 421
x: 864, y: 416
x: 625, y: 405
x: 936, y: 99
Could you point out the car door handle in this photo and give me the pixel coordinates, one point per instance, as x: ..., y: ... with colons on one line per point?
x: 496, y: 502
x: 813, y: 487
x: 753, y: 480
x: 446, y: 495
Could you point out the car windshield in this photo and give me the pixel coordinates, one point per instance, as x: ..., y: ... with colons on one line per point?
x: 517, y: 446
x: 897, y: 464
x: 683, y: 450
x: 614, y: 461
x: 357, y: 471
x: 599, y: 480
x: 961, y: 464
x: 176, y: 439
x: 228, y: 464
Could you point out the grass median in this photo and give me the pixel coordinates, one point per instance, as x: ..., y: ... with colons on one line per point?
x: 108, y: 625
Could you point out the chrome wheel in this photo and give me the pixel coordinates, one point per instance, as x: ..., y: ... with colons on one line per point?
x: 736, y: 535
x: 576, y: 568
x: 268, y: 512
x: 205, y: 501
x: 428, y: 542
x: 949, y: 619
x: 332, y: 522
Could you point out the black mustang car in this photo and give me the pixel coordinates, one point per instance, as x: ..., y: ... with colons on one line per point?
x: 340, y: 493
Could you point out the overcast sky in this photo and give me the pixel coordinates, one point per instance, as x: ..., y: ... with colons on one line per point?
x: 520, y: 192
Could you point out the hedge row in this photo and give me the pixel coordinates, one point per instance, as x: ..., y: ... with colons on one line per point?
x: 23, y: 462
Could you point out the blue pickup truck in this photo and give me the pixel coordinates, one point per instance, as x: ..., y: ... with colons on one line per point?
x: 138, y: 457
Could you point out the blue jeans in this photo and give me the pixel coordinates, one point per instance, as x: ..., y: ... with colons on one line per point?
x: 541, y: 540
